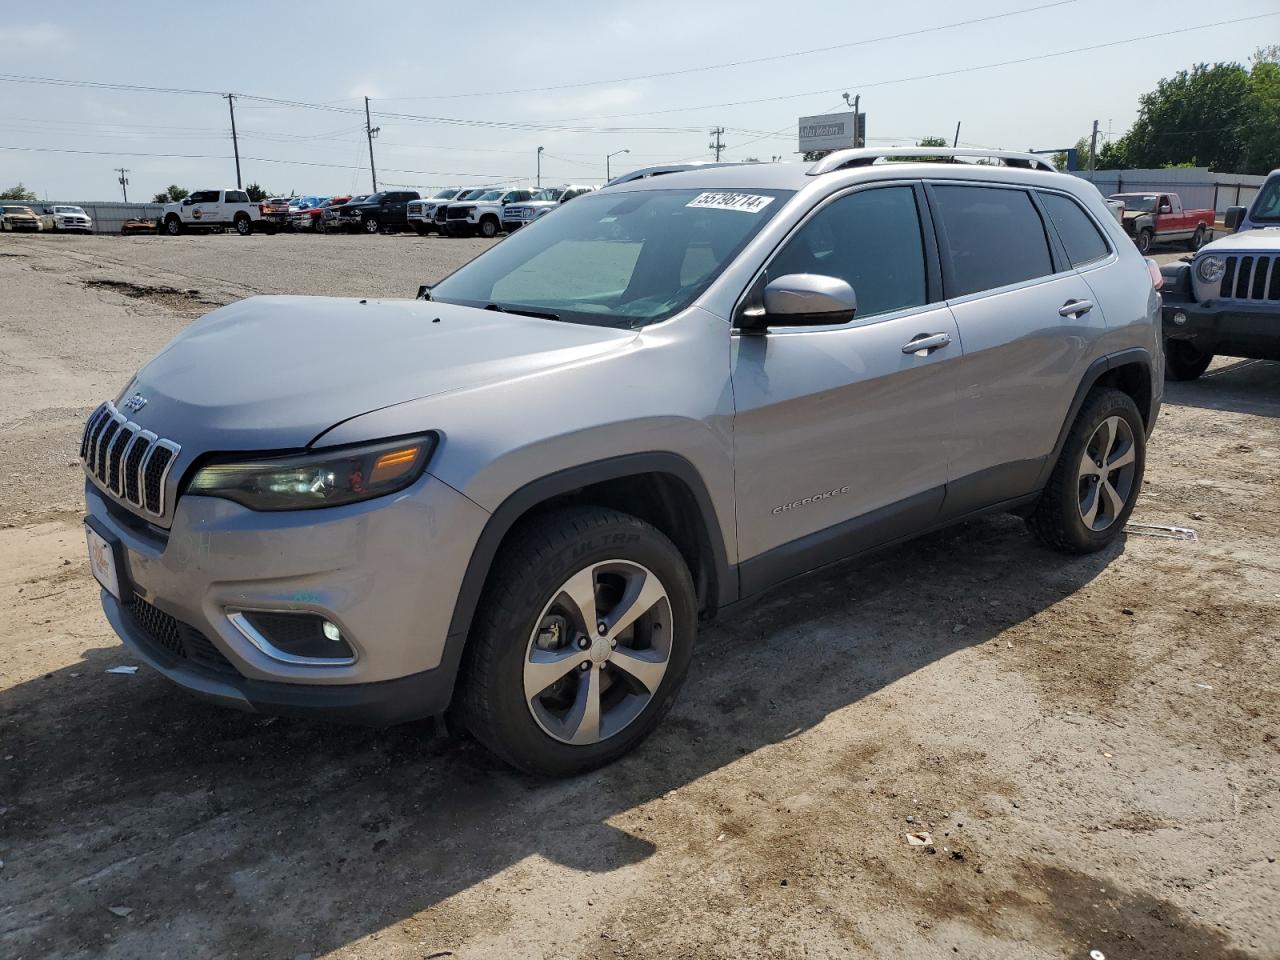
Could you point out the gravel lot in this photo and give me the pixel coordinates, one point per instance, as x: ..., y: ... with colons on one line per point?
x: 1090, y: 742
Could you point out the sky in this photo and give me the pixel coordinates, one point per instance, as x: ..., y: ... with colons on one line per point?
x: 466, y: 99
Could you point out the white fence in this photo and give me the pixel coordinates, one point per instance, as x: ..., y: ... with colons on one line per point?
x: 1197, y: 187
x: 108, y: 216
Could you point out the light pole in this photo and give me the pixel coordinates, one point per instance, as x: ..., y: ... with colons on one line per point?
x: 609, y: 157
x: 540, y: 149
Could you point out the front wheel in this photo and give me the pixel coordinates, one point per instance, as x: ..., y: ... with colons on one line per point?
x: 582, y: 639
x: 1144, y: 242
x: 1095, y: 483
x: 488, y: 229
x: 371, y: 225
x: 1183, y: 360
x: 172, y: 225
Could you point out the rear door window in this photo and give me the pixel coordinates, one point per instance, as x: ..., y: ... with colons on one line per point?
x: 1080, y: 236
x: 991, y: 236
x: 870, y: 239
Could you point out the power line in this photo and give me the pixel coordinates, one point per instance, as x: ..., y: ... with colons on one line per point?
x: 924, y: 76
x: 742, y: 63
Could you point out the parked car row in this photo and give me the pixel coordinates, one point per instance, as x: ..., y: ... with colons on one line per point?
x: 56, y: 217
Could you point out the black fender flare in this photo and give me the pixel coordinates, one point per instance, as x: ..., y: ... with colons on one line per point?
x: 565, y: 481
x: 1133, y: 355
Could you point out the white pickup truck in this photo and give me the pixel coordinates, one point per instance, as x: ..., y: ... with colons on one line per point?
x: 212, y: 209
x: 539, y: 205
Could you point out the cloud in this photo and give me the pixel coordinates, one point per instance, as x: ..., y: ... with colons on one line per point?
x: 585, y: 104
x: 34, y: 35
x: 365, y: 88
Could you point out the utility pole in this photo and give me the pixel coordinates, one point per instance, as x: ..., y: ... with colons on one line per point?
x: 371, y: 131
x: 956, y: 142
x: 1093, y: 146
x: 235, y: 143
x: 540, y: 149
x: 123, y: 181
x: 717, y: 144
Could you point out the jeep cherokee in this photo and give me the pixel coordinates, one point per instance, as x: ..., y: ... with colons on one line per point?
x: 520, y: 493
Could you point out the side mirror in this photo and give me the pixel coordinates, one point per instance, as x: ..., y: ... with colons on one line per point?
x: 807, y: 299
x: 1234, y: 217
x: 187, y: 201
x: 1166, y: 208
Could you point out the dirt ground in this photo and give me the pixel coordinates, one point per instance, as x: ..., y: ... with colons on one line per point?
x: 1091, y: 743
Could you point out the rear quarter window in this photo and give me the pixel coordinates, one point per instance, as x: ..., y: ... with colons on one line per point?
x: 1080, y: 236
x: 992, y: 237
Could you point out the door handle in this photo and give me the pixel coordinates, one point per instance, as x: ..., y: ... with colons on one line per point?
x: 926, y: 342
x: 1075, y: 308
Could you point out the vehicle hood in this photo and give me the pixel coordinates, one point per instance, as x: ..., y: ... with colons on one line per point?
x: 1134, y: 214
x: 273, y: 373
x: 1265, y: 239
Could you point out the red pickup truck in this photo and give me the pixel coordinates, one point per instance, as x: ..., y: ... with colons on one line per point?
x: 1159, y: 218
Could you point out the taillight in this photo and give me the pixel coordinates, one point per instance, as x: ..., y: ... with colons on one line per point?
x: 1153, y: 271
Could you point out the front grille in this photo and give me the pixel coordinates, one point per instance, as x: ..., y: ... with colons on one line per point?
x: 128, y: 462
x: 459, y: 213
x: 175, y: 641
x: 414, y: 209
x: 1251, y: 277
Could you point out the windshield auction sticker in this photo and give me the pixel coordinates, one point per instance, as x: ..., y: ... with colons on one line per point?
x: 745, y: 202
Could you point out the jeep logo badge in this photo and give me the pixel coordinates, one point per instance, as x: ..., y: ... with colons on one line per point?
x: 135, y: 403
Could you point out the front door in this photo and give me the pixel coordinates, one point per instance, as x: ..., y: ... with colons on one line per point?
x: 842, y: 435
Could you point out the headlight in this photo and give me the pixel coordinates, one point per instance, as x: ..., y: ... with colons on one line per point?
x: 323, y: 478
x: 1210, y: 269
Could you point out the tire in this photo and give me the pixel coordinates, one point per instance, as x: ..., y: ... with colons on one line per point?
x: 1078, y: 513
x: 172, y: 226
x: 370, y: 225
x: 1197, y: 239
x: 243, y: 225
x: 524, y: 615
x: 488, y: 228
x: 1183, y: 360
x: 1144, y: 240
x: 419, y: 229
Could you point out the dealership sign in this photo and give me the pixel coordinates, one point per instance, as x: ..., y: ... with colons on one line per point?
x: 831, y: 131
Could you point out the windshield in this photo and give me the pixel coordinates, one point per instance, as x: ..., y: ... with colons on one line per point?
x: 1139, y: 204
x: 67, y: 210
x: 548, y: 193
x: 471, y: 195
x: 445, y: 195
x: 17, y: 210
x: 1266, y: 209
x: 616, y: 259
x: 492, y: 195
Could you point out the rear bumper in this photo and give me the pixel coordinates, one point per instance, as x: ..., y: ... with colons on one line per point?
x: 1238, y: 329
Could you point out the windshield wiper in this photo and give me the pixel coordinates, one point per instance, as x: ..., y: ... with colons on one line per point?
x: 499, y: 308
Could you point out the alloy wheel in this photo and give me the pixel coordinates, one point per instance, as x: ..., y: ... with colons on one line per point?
x: 598, y: 652
x: 1107, y: 469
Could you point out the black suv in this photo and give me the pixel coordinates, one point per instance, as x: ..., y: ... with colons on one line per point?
x: 380, y: 211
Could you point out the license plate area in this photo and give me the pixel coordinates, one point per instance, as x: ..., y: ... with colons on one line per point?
x: 106, y: 557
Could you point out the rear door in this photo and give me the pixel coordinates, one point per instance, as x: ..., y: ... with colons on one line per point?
x: 842, y: 434
x: 1027, y: 322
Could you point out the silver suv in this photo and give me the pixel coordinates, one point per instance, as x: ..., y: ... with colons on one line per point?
x: 519, y: 494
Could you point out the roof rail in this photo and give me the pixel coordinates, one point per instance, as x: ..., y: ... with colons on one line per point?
x: 645, y: 173
x: 864, y: 157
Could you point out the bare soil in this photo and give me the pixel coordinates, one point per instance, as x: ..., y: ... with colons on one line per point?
x: 1091, y: 743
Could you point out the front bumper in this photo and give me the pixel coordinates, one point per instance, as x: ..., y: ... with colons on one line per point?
x: 387, y: 571
x: 1235, y: 328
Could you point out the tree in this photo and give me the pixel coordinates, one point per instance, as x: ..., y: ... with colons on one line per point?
x: 256, y: 193
x: 18, y: 193
x: 173, y: 194
x: 932, y: 142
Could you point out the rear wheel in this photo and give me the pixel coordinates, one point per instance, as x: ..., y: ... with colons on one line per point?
x: 581, y: 641
x: 1096, y: 480
x: 1197, y: 239
x: 243, y: 225
x: 1183, y: 360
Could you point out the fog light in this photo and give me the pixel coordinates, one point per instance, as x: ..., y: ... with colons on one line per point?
x: 1179, y: 318
x: 331, y: 631
x: 301, y: 638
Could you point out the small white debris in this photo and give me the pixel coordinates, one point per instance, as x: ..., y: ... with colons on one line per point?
x: 1204, y: 686
x: 720, y: 838
x: 1097, y: 955
x: 921, y: 839
x: 120, y: 911
x: 123, y: 669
